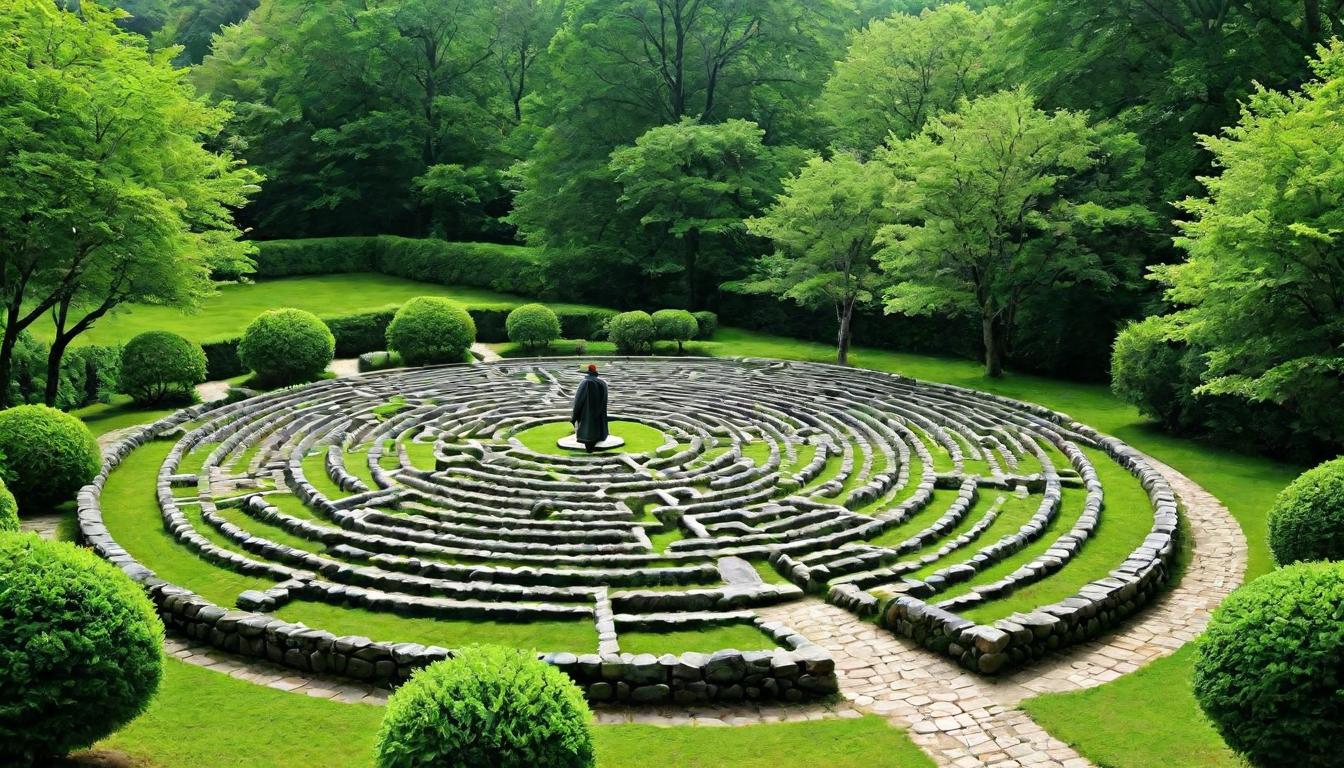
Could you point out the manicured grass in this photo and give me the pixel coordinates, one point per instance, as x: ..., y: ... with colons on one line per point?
x: 639, y: 438
x: 119, y: 414
x: 1146, y: 719
x: 204, y: 718
x: 578, y: 636
x: 230, y: 310
x: 741, y: 637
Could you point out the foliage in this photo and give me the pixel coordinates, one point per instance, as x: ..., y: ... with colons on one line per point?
x: 430, y: 330
x: 80, y: 649
x: 1307, y: 520
x: 675, y: 325
x: 286, y: 346
x: 1000, y: 202
x: 88, y: 374
x: 109, y: 195
x: 690, y: 186
x: 1268, y: 672
x: 1153, y: 373
x: 486, y: 706
x: 905, y: 69
x: 706, y: 324
x: 48, y: 456
x: 1258, y: 291
x: 824, y: 227
x: 632, y: 332
x: 159, y: 365
x: 193, y: 25
x: 9, y: 511
x: 533, y: 325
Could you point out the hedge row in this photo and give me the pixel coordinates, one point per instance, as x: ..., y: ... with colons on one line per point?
x: 508, y: 268
x: 367, y: 332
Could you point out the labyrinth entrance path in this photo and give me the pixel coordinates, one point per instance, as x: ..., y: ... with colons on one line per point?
x: 771, y: 533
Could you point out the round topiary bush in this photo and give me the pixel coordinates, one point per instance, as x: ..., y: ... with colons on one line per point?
x: 707, y: 324
x: 675, y: 325
x: 486, y: 706
x: 48, y: 456
x: 9, y: 511
x: 632, y: 332
x: 532, y: 325
x: 1307, y: 519
x: 429, y: 330
x: 287, y: 346
x: 158, y: 366
x: 1270, y: 668
x: 80, y: 649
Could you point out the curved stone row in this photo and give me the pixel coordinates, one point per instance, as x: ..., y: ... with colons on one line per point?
x: 409, y: 492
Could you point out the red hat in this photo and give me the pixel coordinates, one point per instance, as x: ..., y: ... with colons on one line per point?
x: 592, y: 369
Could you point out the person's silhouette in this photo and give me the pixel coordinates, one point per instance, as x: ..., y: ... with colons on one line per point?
x: 590, y: 410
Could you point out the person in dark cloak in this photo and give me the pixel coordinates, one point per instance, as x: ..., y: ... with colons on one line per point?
x: 590, y: 410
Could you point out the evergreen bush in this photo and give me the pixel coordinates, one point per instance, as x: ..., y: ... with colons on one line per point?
x: 158, y: 366
x: 675, y: 325
x: 287, y: 346
x: 707, y: 324
x: 1307, y: 519
x: 632, y: 332
x: 533, y: 325
x: 429, y: 330
x: 48, y: 456
x: 486, y: 706
x: 9, y: 511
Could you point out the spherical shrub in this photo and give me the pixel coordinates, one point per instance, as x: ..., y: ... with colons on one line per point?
x: 707, y: 324
x: 80, y: 649
x: 158, y: 366
x: 1307, y: 519
x: 429, y: 330
x: 533, y: 325
x: 675, y: 325
x: 48, y: 456
x: 632, y: 332
x: 1270, y: 668
x: 486, y: 706
x: 9, y: 511
x: 287, y: 346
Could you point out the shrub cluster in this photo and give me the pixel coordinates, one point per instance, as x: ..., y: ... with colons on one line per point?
x: 1307, y: 519
x: 9, y: 511
x: 486, y: 706
x: 428, y: 330
x: 706, y: 324
x: 632, y: 333
x: 80, y: 649
x: 675, y: 325
x: 48, y: 456
x: 286, y: 346
x: 1270, y: 667
x: 88, y: 374
x: 533, y: 325
x: 158, y: 366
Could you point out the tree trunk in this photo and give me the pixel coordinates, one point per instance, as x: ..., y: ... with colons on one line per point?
x: 844, y: 335
x: 993, y: 349
x: 6, y: 365
x: 54, y: 358
x: 692, y: 276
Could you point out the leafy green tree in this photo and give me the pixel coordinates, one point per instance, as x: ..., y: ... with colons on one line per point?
x: 903, y: 70
x: 824, y: 227
x: 691, y: 186
x: 997, y: 203
x: 193, y: 25
x: 107, y: 195
x: 1262, y: 290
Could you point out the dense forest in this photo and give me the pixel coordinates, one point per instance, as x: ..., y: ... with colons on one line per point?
x: 1017, y: 181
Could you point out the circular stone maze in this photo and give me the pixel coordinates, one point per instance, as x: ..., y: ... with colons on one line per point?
x: 363, y: 527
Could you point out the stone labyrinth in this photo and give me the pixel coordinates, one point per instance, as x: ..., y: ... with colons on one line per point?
x: 976, y: 526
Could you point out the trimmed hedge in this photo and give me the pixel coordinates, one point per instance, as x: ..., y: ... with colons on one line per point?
x: 1270, y: 668
x: 533, y: 325
x: 81, y: 650
x: 48, y: 456
x: 486, y: 707
x: 632, y: 332
x: 159, y: 365
x: 1307, y: 520
x: 429, y: 330
x: 675, y: 325
x: 287, y: 346
x: 507, y: 268
x: 707, y: 324
x: 9, y: 511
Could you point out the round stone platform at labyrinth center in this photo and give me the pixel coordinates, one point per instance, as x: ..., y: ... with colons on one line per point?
x: 408, y: 492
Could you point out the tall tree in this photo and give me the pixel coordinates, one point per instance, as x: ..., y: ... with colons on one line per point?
x: 824, y: 227
x: 103, y: 177
x: 997, y: 203
x: 691, y: 186
x: 524, y: 29
x: 903, y: 70
x: 1262, y: 292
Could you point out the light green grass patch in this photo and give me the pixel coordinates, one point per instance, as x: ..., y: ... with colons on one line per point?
x: 741, y: 637
x: 576, y: 636
x: 639, y: 438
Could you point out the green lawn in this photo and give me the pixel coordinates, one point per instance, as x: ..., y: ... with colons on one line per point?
x: 204, y: 718
x: 1110, y: 724
x: 229, y: 311
x: 639, y: 438
x: 741, y: 637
